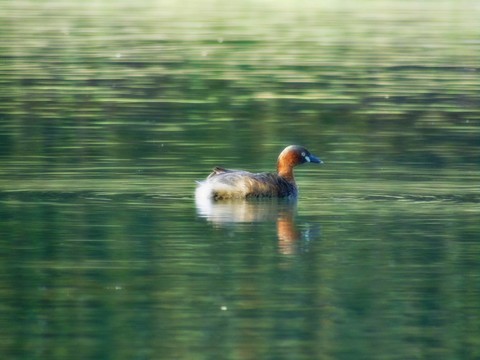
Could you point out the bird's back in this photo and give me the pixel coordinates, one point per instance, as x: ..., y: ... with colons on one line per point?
x: 230, y: 184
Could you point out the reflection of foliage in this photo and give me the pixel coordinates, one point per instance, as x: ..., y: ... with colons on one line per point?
x: 369, y: 86
x: 384, y: 275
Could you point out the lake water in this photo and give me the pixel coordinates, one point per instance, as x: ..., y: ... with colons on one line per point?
x: 109, y: 112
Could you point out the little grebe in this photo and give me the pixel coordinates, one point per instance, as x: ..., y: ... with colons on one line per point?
x: 238, y: 184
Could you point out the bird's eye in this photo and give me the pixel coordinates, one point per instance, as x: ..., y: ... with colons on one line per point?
x: 303, y: 154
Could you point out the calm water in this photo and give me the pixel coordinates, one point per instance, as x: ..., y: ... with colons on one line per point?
x: 110, y: 111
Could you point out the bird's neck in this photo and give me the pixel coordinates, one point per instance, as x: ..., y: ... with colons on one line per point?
x: 286, y: 171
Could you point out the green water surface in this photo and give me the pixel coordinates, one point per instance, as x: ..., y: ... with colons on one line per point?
x: 109, y: 112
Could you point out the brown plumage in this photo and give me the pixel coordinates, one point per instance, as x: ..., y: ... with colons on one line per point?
x: 237, y: 184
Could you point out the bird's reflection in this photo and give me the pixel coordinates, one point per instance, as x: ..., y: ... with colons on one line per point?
x: 225, y: 213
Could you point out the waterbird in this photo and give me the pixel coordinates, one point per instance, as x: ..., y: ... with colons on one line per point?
x: 224, y: 183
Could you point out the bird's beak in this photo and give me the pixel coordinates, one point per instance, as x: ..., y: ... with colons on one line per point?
x: 313, y: 159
